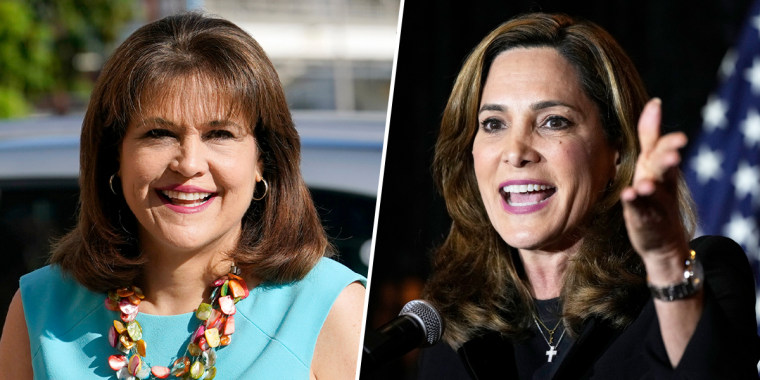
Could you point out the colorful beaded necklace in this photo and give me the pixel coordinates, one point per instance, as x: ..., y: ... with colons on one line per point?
x: 217, y: 323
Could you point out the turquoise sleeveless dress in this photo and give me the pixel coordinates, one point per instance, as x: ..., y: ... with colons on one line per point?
x: 276, y: 327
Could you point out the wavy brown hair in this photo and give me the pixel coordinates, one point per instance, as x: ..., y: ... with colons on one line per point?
x: 282, y: 237
x: 478, y: 282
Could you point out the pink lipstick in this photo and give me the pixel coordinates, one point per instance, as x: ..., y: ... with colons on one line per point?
x: 525, y: 196
x: 185, y: 199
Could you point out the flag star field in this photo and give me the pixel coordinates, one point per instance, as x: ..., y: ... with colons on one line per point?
x: 723, y: 164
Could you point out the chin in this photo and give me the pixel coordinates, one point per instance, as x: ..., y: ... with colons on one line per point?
x: 181, y: 240
x: 183, y: 244
x: 519, y: 241
x: 523, y: 239
x: 523, y: 244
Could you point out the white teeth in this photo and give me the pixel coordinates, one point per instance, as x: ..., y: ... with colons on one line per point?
x: 525, y: 188
x: 184, y: 196
x: 523, y: 204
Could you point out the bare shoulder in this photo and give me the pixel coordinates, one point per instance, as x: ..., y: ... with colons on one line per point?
x: 337, y: 348
x: 350, y: 302
x: 14, y: 344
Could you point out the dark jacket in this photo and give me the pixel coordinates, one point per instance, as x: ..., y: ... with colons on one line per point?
x: 725, y: 344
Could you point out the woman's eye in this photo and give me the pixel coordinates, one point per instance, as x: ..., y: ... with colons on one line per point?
x: 557, y: 122
x: 159, y: 133
x: 491, y: 124
x: 219, y: 134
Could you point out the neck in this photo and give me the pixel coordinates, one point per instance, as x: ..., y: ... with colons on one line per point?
x: 176, y: 282
x: 546, y: 270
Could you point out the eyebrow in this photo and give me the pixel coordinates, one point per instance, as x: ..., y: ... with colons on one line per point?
x: 491, y: 107
x: 535, y: 106
x: 156, y: 120
x: 549, y: 104
x: 223, y: 123
x: 163, y: 122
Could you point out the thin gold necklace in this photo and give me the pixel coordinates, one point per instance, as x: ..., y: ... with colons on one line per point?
x: 552, y: 351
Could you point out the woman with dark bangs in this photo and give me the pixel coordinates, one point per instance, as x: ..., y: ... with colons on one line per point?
x: 198, y: 252
x: 569, y: 254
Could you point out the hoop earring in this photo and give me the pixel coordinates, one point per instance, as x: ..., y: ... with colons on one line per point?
x: 110, y: 183
x: 266, y: 190
x: 122, y: 226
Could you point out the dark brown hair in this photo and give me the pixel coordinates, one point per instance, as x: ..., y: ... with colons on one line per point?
x: 282, y: 237
x: 478, y: 281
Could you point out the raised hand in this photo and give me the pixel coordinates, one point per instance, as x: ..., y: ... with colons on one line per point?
x: 650, y: 204
x: 651, y: 212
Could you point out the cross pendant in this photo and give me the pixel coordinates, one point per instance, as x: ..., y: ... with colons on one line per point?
x: 550, y: 354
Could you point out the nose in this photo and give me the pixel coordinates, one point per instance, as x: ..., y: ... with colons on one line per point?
x: 518, y: 149
x: 190, y: 159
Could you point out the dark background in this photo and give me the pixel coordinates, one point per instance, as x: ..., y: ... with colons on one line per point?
x: 677, y: 45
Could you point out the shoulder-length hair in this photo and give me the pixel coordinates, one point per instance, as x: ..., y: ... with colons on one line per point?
x: 478, y: 281
x: 282, y: 237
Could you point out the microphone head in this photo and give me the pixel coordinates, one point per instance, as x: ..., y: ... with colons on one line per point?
x: 428, y: 318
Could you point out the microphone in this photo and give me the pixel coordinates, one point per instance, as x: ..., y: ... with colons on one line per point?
x: 417, y: 325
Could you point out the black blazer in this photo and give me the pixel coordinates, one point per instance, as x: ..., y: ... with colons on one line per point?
x: 725, y: 344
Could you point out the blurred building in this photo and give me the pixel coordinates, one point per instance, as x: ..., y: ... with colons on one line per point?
x: 330, y: 54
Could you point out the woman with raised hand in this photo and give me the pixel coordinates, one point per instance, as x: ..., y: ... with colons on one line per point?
x: 569, y: 255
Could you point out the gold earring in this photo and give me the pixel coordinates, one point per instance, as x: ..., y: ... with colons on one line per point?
x: 110, y: 183
x: 266, y: 190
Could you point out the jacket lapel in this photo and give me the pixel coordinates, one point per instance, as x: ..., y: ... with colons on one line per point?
x: 592, y: 342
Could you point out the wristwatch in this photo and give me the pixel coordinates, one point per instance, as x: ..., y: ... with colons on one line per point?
x: 693, y: 277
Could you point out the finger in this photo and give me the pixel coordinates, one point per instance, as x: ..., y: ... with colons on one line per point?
x: 667, y: 158
x: 628, y: 195
x: 644, y: 187
x: 649, y: 125
x: 662, y: 158
x: 672, y: 141
x: 634, y: 196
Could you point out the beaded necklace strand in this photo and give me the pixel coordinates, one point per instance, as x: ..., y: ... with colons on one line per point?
x: 217, y: 323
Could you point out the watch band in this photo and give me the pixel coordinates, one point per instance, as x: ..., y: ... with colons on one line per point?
x: 692, y: 282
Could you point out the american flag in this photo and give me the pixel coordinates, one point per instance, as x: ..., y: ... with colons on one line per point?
x: 723, y: 166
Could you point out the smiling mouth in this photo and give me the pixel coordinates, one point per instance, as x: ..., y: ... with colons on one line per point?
x: 526, y: 195
x: 183, y: 199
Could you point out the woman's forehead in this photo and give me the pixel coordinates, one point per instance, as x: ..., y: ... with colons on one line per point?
x: 533, y: 75
x: 195, y: 96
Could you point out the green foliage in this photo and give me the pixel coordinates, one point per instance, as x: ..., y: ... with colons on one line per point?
x: 12, y: 103
x: 39, y: 40
x: 25, y: 57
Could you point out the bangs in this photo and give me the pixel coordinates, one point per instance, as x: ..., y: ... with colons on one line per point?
x: 184, y: 93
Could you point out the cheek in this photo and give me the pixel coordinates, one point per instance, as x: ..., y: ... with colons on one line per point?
x: 586, y: 169
x: 486, y: 162
x: 485, y: 159
x: 579, y: 164
x: 240, y: 172
x: 575, y: 160
x: 137, y: 170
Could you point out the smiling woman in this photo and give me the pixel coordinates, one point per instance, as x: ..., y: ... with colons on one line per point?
x: 195, y: 224
x: 568, y: 255
x: 213, y: 167
x: 538, y: 129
